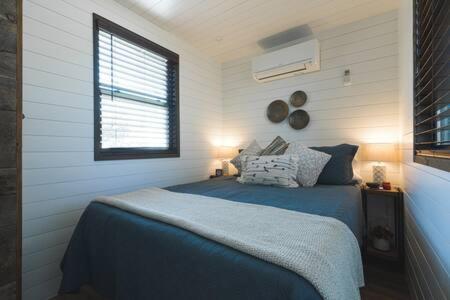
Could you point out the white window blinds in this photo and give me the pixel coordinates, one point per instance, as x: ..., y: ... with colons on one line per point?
x: 134, y: 91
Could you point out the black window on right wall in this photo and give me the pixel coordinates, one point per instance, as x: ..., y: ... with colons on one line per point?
x: 432, y: 83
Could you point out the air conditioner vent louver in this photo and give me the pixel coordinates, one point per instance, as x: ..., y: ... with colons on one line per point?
x: 298, y: 59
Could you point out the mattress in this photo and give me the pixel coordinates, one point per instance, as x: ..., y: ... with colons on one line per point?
x: 126, y: 256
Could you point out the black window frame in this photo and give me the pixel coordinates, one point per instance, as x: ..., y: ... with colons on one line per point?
x: 174, y: 111
x: 434, y: 156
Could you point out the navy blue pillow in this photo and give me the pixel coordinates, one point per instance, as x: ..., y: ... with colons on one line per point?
x: 339, y: 168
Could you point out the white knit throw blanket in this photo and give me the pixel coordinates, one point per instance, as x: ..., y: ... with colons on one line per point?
x: 320, y: 249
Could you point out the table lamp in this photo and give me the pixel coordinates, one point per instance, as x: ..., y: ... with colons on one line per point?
x: 225, y: 154
x: 379, y: 153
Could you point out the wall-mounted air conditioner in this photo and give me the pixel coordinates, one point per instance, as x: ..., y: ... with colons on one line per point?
x: 294, y: 60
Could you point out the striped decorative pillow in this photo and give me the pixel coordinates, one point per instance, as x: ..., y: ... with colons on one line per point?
x: 276, y: 170
x: 276, y: 147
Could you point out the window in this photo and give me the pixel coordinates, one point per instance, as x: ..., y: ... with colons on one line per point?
x: 136, y: 90
x: 432, y: 83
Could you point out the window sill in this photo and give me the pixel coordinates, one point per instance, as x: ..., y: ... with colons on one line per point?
x: 441, y: 163
x: 125, y: 155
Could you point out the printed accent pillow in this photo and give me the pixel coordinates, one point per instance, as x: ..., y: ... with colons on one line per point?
x: 253, y: 149
x: 310, y: 164
x: 276, y: 170
x: 276, y: 147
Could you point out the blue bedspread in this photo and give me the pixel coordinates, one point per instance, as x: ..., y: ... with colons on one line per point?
x: 126, y: 256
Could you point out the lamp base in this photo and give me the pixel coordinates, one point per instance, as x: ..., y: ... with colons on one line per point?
x: 225, y: 168
x: 379, y: 174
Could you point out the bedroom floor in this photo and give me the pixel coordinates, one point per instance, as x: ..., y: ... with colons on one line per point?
x: 380, y: 285
x: 384, y: 285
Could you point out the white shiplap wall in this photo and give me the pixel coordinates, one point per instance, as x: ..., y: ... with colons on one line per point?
x: 427, y: 203
x: 60, y: 176
x: 366, y: 111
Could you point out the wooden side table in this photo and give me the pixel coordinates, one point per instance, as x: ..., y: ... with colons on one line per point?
x: 396, y: 253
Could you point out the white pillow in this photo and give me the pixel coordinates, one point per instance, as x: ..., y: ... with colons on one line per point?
x: 356, y: 177
x: 253, y: 149
x: 277, y: 170
x: 310, y: 163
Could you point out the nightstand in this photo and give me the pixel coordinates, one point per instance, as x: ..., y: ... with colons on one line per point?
x: 388, y: 204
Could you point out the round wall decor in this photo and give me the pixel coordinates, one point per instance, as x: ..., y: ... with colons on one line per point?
x: 298, y: 119
x: 277, y: 111
x: 298, y: 98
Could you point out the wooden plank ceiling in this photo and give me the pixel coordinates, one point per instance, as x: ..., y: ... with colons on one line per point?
x: 230, y: 29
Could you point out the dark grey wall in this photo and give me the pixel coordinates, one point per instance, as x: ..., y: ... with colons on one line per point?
x: 9, y: 161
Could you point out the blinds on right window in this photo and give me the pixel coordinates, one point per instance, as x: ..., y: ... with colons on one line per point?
x: 432, y: 83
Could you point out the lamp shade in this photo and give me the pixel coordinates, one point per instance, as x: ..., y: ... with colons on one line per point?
x: 226, y: 152
x: 379, y: 152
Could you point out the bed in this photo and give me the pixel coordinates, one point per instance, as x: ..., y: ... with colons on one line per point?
x: 126, y: 256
